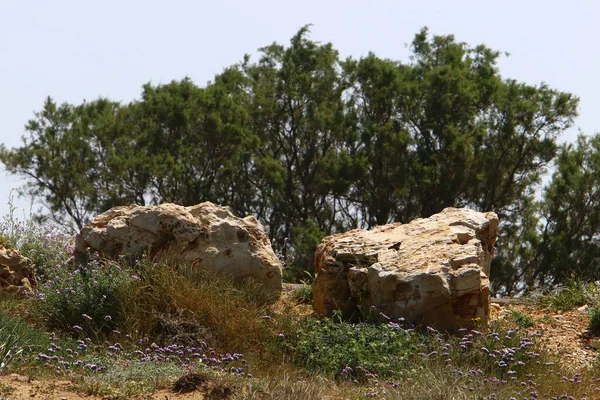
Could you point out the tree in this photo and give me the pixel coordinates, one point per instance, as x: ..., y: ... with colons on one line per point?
x: 570, y: 233
x: 297, y: 113
x: 313, y: 145
x: 383, y: 160
x: 188, y: 141
x: 62, y: 158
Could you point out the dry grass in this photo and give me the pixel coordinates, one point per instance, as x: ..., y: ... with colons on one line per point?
x: 172, y: 300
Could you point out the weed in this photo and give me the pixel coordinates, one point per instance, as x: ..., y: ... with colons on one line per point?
x: 85, y: 300
x: 356, y: 350
x: 303, y: 295
x: 594, y: 324
x: 521, y: 319
x: 573, y: 294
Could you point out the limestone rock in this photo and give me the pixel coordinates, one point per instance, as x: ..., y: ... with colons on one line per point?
x: 207, y: 235
x: 432, y: 271
x: 16, y: 273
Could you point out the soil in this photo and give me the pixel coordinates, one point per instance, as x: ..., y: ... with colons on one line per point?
x: 20, y: 387
x: 563, y: 333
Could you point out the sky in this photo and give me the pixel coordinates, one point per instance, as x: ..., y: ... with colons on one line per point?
x: 80, y: 50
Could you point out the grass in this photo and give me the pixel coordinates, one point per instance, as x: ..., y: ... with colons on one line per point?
x: 122, y: 328
x: 571, y: 295
x: 303, y: 295
x: 521, y: 319
x: 594, y: 324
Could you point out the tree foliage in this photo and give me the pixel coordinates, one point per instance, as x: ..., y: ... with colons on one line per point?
x: 571, y: 216
x: 312, y: 144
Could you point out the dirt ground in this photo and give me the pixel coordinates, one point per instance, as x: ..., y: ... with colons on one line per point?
x: 564, y: 333
x: 20, y: 387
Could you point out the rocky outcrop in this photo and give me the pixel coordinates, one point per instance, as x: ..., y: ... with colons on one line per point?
x: 16, y: 273
x: 209, y: 236
x: 432, y: 271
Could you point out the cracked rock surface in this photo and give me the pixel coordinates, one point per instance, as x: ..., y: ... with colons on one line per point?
x: 432, y: 270
x: 16, y: 273
x: 207, y: 235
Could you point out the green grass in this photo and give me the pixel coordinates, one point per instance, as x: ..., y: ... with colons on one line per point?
x: 570, y: 296
x: 343, y: 349
x: 128, y: 379
x: 594, y: 324
x: 521, y: 319
x: 303, y: 295
x: 18, y: 340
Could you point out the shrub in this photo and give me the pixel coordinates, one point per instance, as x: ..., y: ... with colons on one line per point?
x: 84, y: 300
x: 44, y: 244
x: 357, y: 350
x: 521, y: 319
x: 594, y: 324
x: 573, y: 294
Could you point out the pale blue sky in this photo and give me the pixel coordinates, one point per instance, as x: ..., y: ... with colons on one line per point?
x: 74, y: 50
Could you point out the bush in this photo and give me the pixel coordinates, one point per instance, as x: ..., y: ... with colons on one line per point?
x: 84, y: 300
x: 357, y: 350
x: 573, y: 294
x: 594, y: 324
x: 44, y: 244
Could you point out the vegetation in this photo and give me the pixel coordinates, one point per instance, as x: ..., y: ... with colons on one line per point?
x: 594, y: 325
x: 566, y: 297
x: 312, y: 144
x: 521, y: 319
x: 125, y: 328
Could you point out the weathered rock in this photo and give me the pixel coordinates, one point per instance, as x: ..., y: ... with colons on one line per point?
x: 16, y: 273
x: 207, y: 235
x: 432, y: 271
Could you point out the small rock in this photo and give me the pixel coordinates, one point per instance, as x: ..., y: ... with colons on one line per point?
x: 20, y: 378
x: 595, y: 344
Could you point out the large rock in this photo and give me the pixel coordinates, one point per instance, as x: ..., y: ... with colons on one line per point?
x: 432, y: 271
x: 16, y: 273
x: 207, y: 235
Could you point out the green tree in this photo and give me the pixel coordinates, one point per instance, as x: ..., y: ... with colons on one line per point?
x: 382, y: 158
x: 312, y: 145
x: 570, y: 242
x: 188, y: 140
x: 297, y: 112
x: 62, y: 158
